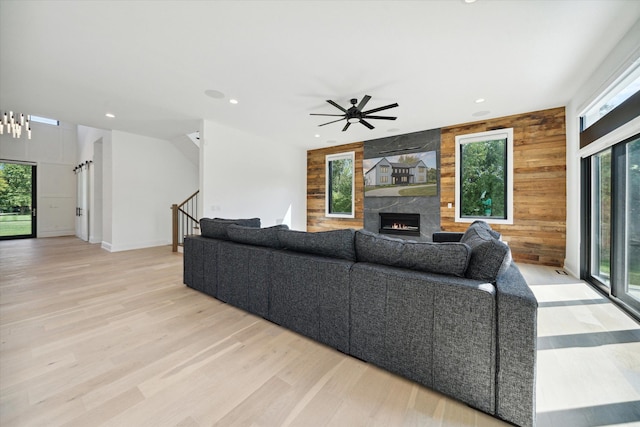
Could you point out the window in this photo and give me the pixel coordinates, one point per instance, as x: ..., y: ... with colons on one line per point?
x: 484, y: 177
x: 45, y: 120
x: 339, y: 200
x: 625, y: 87
x: 384, y: 169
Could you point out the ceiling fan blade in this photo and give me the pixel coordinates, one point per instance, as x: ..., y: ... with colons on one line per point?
x: 363, y: 102
x: 386, y: 107
x: 380, y: 117
x: 367, y: 124
x: 346, y: 126
x: 336, y: 105
x: 339, y: 120
x: 333, y: 115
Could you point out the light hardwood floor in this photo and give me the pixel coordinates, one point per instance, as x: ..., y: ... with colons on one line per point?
x: 91, y: 338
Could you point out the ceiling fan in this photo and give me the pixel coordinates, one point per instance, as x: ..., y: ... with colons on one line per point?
x: 355, y: 114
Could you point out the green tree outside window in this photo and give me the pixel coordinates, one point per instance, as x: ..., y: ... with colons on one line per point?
x: 483, y: 179
x: 340, y: 183
x: 484, y: 176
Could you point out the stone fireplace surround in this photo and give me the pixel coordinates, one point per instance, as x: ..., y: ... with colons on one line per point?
x: 427, y: 207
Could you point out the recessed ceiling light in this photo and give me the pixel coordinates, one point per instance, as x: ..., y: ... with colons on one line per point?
x: 317, y: 135
x: 216, y: 94
x: 110, y: 115
x: 480, y: 100
x: 233, y: 101
x: 469, y: 1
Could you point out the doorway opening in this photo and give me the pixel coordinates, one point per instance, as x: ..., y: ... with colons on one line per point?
x: 17, y: 200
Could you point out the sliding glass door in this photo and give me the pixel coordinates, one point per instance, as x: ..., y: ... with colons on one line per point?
x: 17, y: 200
x: 614, y: 229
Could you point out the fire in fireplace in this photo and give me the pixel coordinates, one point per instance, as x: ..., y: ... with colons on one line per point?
x: 400, y: 223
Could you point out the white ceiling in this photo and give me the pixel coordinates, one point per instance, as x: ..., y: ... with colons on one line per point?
x: 150, y: 62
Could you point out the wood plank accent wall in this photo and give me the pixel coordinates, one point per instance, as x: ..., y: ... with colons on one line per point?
x: 538, y: 233
x: 316, y: 183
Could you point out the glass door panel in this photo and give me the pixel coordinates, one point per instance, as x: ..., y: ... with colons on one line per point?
x: 632, y: 266
x: 17, y: 200
x: 601, y: 219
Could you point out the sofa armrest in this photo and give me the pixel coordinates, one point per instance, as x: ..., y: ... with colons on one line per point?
x: 517, y: 346
x: 446, y: 236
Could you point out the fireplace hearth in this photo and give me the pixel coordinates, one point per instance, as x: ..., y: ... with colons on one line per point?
x: 400, y: 223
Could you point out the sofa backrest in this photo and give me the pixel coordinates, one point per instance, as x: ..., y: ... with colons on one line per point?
x: 479, y: 255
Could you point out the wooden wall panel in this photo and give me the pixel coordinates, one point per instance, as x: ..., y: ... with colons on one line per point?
x: 538, y: 233
x: 316, y: 219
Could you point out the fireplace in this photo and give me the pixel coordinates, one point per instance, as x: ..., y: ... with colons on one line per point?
x: 400, y: 223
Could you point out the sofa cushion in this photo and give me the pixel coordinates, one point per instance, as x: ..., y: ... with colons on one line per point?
x: 483, y: 225
x: 377, y: 249
x: 267, y: 236
x: 216, y: 228
x: 441, y: 258
x: 489, y: 256
x: 334, y: 243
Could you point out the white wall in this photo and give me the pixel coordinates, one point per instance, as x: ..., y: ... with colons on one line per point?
x: 90, y: 147
x: 244, y: 176
x: 624, y: 54
x: 53, y: 150
x: 147, y: 176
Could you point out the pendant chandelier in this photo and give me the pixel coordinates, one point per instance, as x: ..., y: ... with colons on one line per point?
x: 15, y: 124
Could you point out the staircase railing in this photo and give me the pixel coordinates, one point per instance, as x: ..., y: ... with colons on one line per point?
x: 184, y: 220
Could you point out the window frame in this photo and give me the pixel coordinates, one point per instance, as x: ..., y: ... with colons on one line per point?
x: 351, y: 155
x: 461, y: 140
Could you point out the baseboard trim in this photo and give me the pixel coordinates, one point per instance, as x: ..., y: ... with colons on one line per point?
x: 56, y: 233
x: 132, y: 246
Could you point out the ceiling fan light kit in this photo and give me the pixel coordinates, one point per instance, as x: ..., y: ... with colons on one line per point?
x: 355, y: 114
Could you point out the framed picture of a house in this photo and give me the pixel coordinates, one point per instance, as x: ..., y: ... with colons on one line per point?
x: 410, y: 175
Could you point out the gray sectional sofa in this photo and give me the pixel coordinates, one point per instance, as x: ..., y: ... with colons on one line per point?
x: 457, y: 317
